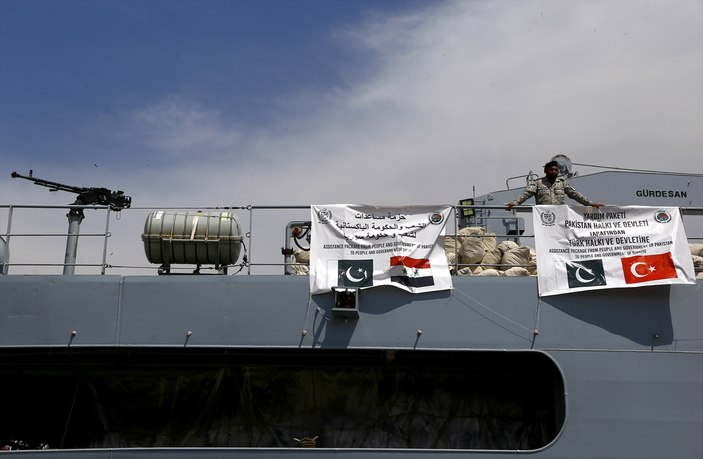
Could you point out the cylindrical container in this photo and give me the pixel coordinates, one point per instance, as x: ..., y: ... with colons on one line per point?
x: 192, y: 237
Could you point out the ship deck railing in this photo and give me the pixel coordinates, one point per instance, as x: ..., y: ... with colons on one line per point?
x: 33, y: 241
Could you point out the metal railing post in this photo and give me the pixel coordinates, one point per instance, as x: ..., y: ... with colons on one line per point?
x: 5, y: 268
x: 107, y: 234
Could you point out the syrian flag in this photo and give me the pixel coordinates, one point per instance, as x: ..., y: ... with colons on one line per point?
x: 411, y: 272
x: 646, y: 268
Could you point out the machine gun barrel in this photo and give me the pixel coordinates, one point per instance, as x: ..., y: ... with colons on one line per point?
x: 53, y: 186
x: 116, y: 200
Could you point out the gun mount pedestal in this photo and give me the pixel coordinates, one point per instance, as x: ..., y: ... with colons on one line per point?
x: 75, y: 217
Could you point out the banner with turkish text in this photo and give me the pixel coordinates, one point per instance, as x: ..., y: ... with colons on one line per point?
x: 365, y: 246
x: 583, y: 248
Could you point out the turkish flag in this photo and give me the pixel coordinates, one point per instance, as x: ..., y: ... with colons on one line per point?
x: 645, y: 268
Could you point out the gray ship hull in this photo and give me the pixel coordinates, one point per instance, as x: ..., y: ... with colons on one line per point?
x: 631, y: 360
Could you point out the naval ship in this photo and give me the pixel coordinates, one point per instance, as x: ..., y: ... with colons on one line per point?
x: 188, y: 351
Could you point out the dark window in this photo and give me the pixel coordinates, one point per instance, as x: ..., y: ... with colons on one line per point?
x: 267, y: 398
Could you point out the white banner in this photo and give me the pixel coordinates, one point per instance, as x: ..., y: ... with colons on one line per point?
x: 365, y: 246
x: 582, y: 248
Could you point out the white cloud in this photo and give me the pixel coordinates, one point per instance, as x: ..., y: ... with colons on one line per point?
x: 462, y: 94
x: 177, y: 129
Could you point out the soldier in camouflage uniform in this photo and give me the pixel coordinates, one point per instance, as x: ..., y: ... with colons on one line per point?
x: 551, y: 189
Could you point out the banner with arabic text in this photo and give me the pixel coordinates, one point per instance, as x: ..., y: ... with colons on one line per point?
x: 583, y: 248
x: 365, y: 246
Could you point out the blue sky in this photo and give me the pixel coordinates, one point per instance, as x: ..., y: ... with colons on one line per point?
x: 72, y: 67
x: 243, y: 97
x: 87, y: 57
x: 298, y: 102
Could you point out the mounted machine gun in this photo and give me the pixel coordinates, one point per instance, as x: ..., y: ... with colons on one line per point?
x: 115, y: 200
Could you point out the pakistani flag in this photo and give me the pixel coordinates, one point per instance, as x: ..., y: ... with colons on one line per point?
x: 586, y: 273
x: 355, y: 273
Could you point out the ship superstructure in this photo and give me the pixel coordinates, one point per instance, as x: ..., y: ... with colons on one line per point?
x: 195, y: 356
